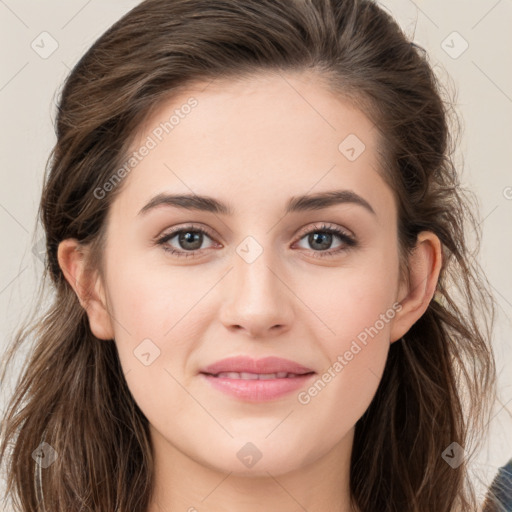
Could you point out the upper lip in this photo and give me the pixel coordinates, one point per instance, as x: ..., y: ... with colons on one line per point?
x: 249, y: 365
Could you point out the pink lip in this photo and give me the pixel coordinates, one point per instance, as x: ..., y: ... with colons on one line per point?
x: 247, y: 364
x: 257, y: 390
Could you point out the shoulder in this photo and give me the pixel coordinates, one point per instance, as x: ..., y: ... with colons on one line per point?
x: 501, y: 487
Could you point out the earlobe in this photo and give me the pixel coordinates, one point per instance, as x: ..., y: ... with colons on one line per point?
x: 87, y: 286
x: 425, y: 265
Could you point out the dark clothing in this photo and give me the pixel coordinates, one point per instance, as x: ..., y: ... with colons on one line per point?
x: 501, y: 487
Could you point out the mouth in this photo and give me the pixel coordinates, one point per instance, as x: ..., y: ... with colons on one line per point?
x: 247, y: 368
x: 256, y: 387
x: 257, y: 376
x: 256, y: 380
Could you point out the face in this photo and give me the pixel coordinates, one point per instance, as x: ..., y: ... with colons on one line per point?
x: 265, y: 275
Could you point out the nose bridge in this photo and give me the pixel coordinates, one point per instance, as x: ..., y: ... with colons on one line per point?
x: 255, y: 278
x: 258, y: 300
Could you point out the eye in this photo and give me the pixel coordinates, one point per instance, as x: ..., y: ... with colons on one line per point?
x: 321, y: 237
x: 189, y: 240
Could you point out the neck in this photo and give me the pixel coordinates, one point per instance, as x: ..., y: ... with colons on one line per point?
x: 184, y: 484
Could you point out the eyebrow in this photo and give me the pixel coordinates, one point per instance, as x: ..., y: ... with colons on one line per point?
x: 317, y: 201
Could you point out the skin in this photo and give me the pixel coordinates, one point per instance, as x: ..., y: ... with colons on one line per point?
x: 253, y: 144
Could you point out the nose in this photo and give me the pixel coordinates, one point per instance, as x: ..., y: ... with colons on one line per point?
x: 259, y: 301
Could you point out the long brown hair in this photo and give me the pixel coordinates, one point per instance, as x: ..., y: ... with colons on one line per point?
x: 438, y: 385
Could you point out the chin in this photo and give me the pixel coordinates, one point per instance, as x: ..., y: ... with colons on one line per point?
x: 247, y: 459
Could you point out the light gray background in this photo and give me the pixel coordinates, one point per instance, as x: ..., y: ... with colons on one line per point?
x: 481, y: 74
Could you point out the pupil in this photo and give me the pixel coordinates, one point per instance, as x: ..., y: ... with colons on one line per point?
x: 188, y: 237
x: 316, y: 236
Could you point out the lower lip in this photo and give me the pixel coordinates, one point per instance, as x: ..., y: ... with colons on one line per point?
x: 257, y: 390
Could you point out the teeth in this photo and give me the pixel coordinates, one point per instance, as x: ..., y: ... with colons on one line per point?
x: 267, y: 376
x: 248, y: 376
x: 255, y: 376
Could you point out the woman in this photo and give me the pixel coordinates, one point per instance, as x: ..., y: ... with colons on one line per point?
x: 319, y: 356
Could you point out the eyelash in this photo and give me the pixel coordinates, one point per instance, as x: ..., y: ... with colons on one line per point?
x: 347, y: 240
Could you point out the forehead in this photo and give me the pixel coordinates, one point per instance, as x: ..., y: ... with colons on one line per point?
x: 255, y: 142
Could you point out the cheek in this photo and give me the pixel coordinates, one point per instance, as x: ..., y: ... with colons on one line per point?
x: 151, y: 315
x: 146, y: 304
x: 149, y: 300
x: 350, y: 300
x: 356, y: 319
x: 356, y: 356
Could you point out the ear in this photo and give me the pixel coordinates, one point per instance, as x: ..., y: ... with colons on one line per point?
x: 425, y: 264
x: 87, y: 286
